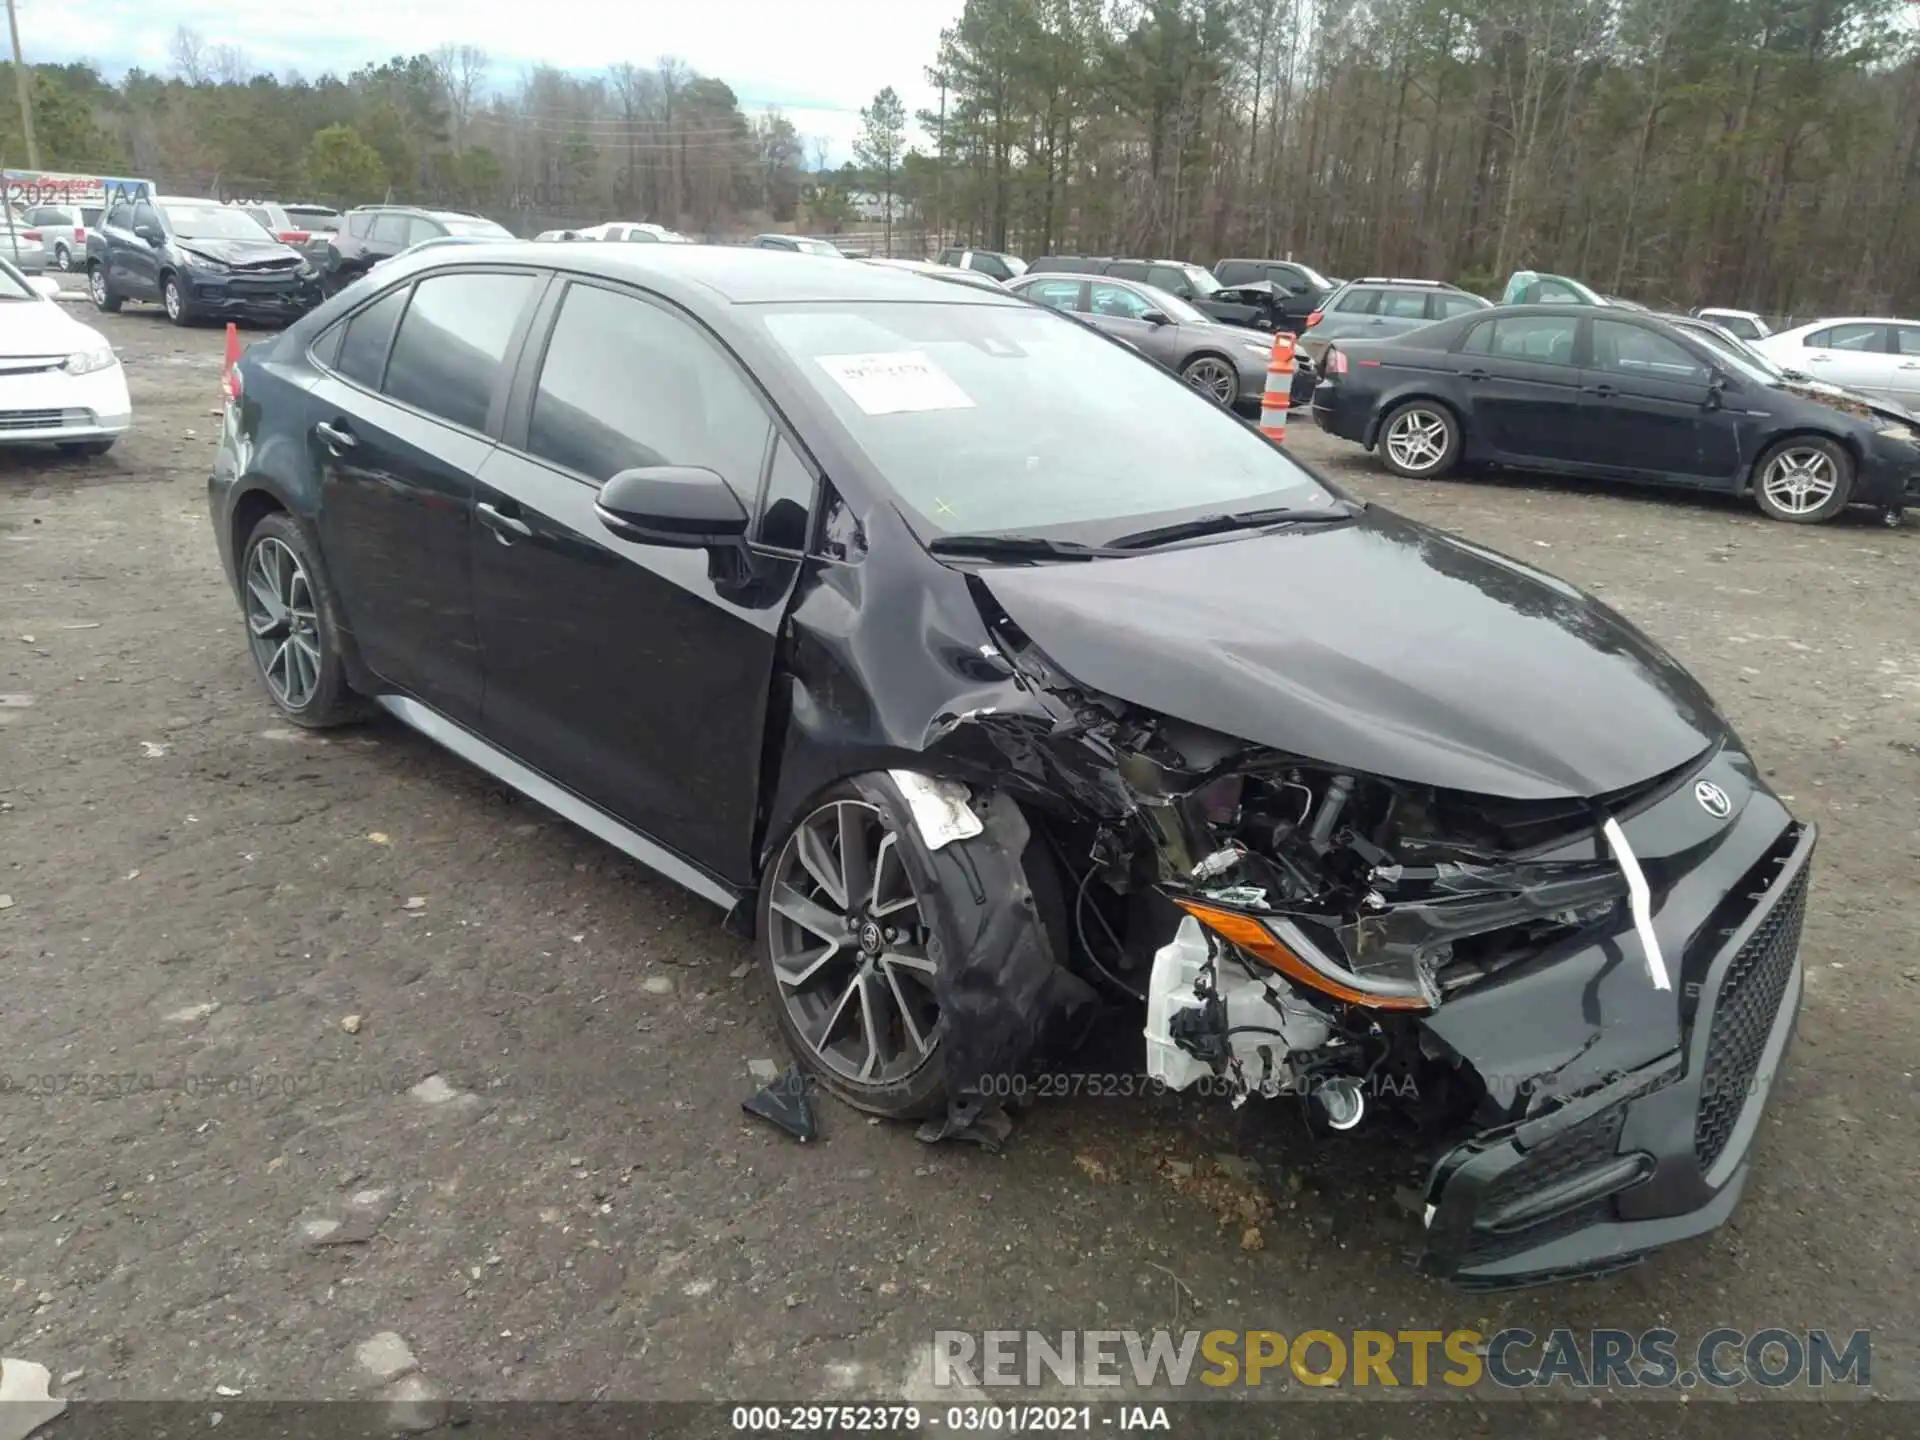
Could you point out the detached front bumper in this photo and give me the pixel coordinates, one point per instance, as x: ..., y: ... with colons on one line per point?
x: 1659, y: 1154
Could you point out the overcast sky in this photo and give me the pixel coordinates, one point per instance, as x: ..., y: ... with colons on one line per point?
x: 819, y: 60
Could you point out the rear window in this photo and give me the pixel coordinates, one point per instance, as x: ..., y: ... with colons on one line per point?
x: 390, y: 229
x: 363, y: 348
x: 453, y: 342
x: 359, y: 226
x: 1237, y: 272
x: 473, y: 225
x: 1449, y: 303
x: 1846, y: 337
x: 1403, y: 304
x: 1355, y: 301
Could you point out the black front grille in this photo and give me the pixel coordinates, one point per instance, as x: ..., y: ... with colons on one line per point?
x: 36, y: 419
x: 1588, y: 1145
x: 1743, y: 1016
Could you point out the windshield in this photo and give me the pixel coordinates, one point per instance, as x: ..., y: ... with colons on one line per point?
x: 816, y: 247
x: 13, y: 285
x: 474, y: 225
x: 315, y: 219
x: 1008, y: 418
x: 1201, y: 279
x: 1015, y: 265
x: 1740, y: 358
x: 213, y: 222
x: 1179, y: 310
x: 1320, y: 282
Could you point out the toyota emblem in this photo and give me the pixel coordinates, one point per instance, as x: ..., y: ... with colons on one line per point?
x: 1713, y: 799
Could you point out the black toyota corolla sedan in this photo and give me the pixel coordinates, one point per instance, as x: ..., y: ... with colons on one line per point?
x: 1614, y: 394
x: 1000, y: 686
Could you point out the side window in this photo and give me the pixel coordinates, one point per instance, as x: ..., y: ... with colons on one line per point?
x: 1288, y: 279
x: 642, y: 237
x: 1447, y: 306
x: 120, y: 216
x: 46, y: 217
x: 1847, y: 337
x: 1552, y: 292
x: 145, y: 214
x: 1167, y: 278
x: 1403, y: 304
x: 326, y: 350
x: 360, y: 226
x: 1127, y: 270
x: 1056, y: 294
x: 990, y: 265
x: 389, y: 229
x: 1116, y: 301
x: 420, y: 228
x: 1356, y: 301
x: 1234, y: 272
x: 627, y: 384
x: 367, y: 338
x: 1906, y: 339
x: 453, y: 341
x: 786, y: 519
x: 1629, y: 350
x: 948, y: 257
x: 1479, y: 340
x: 1544, y: 339
x: 260, y: 215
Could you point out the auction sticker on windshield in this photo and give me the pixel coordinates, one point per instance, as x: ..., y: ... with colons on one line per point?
x: 895, y: 381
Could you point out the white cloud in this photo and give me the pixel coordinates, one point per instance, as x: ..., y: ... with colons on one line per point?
x: 820, y: 60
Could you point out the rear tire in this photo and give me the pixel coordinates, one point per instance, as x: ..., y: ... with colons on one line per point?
x: 1420, y: 440
x: 62, y: 258
x: 104, y: 300
x: 293, y: 626
x: 1804, y: 480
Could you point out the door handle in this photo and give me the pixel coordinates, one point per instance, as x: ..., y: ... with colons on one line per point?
x: 503, y: 524
x: 1605, y: 392
x: 1478, y: 375
x: 335, y: 437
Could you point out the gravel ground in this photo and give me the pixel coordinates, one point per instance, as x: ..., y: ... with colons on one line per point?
x: 354, y: 1051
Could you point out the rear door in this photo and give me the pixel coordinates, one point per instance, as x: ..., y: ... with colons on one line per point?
x: 635, y: 675
x: 1855, y: 355
x: 1523, y: 388
x: 401, y: 422
x: 1905, y: 381
x: 1648, y: 408
x: 1067, y: 293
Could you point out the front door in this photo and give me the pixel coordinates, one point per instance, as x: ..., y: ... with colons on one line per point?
x: 140, y: 264
x: 635, y: 675
x: 399, y: 428
x: 1852, y: 355
x: 1119, y: 310
x: 1523, y: 388
x: 1649, y: 408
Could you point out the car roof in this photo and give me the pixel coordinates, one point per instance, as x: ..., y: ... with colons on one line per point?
x: 736, y: 274
x: 1825, y: 321
x: 1402, y: 280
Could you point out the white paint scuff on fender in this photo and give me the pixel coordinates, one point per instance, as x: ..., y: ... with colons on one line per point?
x: 940, y: 808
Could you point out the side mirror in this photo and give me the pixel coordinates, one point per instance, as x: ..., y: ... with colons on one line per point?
x: 1156, y: 317
x: 149, y: 233
x: 679, y: 505
x: 46, y: 285
x: 1716, y: 391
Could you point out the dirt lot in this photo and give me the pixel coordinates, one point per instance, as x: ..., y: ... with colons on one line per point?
x: 575, y: 1207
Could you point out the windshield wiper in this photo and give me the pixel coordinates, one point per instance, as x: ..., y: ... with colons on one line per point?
x: 1202, y: 525
x: 1015, y: 547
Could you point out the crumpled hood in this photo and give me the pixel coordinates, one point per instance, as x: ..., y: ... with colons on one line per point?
x: 237, y: 252
x: 1849, y: 402
x: 1378, y: 645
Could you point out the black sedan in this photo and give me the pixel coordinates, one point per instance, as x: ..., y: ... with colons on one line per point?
x: 1615, y: 395
x: 999, y: 685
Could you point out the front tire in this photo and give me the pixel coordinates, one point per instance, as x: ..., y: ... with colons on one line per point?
x: 1420, y: 440
x: 174, y: 298
x: 850, y: 954
x: 1213, y: 377
x: 104, y: 300
x: 1804, y: 480
x: 293, y: 626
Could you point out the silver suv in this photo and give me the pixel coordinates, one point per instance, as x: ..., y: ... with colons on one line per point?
x: 1377, y: 306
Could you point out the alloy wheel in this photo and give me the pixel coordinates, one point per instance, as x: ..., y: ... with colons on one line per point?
x: 1417, y: 439
x: 170, y: 293
x: 283, y: 626
x: 1213, y: 378
x: 62, y: 258
x: 848, y: 945
x: 97, y: 285
x: 1800, y: 479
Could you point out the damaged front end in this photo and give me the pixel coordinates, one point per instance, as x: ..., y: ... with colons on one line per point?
x: 1572, y: 1008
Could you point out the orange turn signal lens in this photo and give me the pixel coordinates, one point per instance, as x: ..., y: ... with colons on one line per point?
x: 1258, y: 941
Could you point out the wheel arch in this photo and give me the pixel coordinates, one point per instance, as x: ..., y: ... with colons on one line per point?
x: 1387, y: 406
x: 255, y: 496
x: 1856, y: 452
x: 1207, y: 352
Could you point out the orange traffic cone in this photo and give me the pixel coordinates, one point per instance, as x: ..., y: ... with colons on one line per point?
x: 228, y: 385
x: 1279, y: 391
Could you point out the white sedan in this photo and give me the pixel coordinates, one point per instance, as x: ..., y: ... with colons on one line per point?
x: 60, y: 381
x: 1871, y: 354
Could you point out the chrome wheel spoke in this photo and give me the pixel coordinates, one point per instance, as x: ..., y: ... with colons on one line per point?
x: 816, y: 857
x: 907, y: 1025
x: 856, y: 865
x: 908, y: 958
x: 810, y: 915
x: 809, y: 966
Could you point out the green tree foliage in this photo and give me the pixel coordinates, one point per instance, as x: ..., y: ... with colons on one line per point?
x: 883, y: 140
x: 64, y: 125
x: 344, y: 168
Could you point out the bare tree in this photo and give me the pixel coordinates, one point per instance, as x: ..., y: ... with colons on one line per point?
x: 187, y: 52
x: 463, y: 72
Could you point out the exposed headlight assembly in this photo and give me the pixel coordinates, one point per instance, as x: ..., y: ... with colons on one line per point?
x: 1900, y: 432
x: 85, y: 362
x: 211, y: 266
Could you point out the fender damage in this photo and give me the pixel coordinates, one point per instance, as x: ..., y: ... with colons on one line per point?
x: 1502, y: 916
